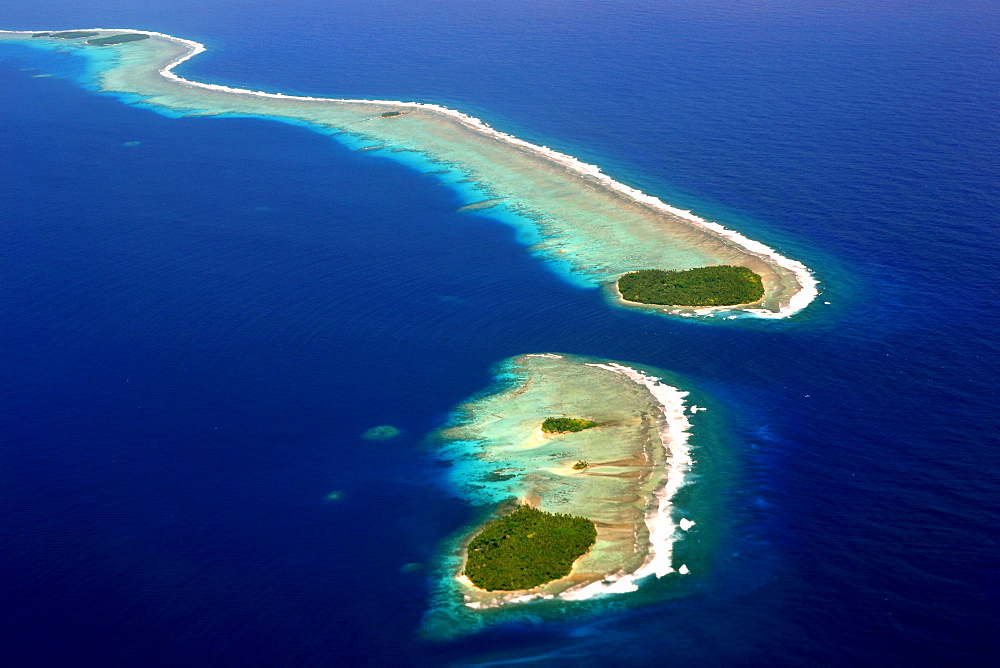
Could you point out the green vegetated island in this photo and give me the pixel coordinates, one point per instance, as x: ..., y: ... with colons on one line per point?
x: 561, y: 425
x: 703, y: 286
x: 67, y: 34
x: 117, y: 39
x: 593, y: 228
x: 570, y: 452
x: 527, y: 548
x: 110, y: 40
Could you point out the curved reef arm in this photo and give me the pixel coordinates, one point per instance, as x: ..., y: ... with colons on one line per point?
x: 587, y: 226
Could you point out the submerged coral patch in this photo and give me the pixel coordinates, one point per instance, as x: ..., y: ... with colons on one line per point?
x: 381, y: 433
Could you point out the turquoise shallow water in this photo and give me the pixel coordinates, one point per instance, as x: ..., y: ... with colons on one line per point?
x: 188, y: 373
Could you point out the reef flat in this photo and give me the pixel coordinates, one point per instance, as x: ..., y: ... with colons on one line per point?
x: 590, y: 228
x: 637, y: 459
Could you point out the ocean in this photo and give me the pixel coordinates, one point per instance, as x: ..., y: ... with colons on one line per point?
x: 202, y: 316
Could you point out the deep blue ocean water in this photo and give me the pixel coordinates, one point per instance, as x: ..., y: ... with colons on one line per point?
x: 197, y: 329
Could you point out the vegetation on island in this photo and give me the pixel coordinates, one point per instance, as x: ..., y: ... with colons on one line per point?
x: 74, y: 34
x: 117, y: 39
x: 581, y: 465
x: 561, y: 425
x: 527, y: 548
x: 391, y: 114
x: 42, y: 34
x: 723, y: 285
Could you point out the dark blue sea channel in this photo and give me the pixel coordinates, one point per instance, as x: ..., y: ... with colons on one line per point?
x: 200, y: 317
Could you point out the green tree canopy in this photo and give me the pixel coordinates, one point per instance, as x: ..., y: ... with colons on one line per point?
x: 558, y: 425
x: 117, y: 39
x: 723, y: 285
x: 527, y: 548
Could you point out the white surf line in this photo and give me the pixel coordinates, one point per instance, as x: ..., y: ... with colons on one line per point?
x: 808, y: 285
x: 674, y: 436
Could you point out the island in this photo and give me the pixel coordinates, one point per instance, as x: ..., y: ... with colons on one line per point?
x: 527, y: 548
x: 724, y: 285
x: 117, y: 39
x: 69, y: 34
x: 584, y: 225
x: 618, y: 479
x: 562, y: 425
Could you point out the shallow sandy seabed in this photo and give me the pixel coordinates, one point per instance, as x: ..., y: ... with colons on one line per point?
x: 590, y: 227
